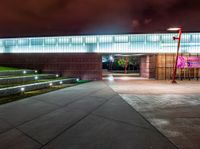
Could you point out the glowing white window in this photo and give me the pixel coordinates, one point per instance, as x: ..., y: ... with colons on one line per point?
x: 121, y: 38
x: 153, y: 38
x: 185, y: 38
x: 137, y: 38
x: 105, y: 39
x: 1, y: 43
x: 77, y: 39
x: 23, y: 42
x: 168, y: 38
x: 196, y: 37
x: 63, y: 40
x: 10, y: 42
x: 50, y: 41
x: 36, y: 41
x: 91, y: 39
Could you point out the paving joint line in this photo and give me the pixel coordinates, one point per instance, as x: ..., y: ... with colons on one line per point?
x: 150, y: 124
x: 58, y: 107
x: 15, y: 127
x: 123, y: 122
x: 29, y: 136
x: 74, y: 124
x: 76, y: 99
x: 145, y: 119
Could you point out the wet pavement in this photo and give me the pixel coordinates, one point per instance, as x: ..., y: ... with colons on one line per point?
x: 174, y: 109
x: 88, y: 116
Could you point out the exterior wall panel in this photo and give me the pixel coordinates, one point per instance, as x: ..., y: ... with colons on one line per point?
x: 85, y: 66
x: 147, y: 66
x: 165, y: 64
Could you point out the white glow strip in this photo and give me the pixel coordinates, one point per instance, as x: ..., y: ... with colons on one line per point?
x: 175, y: 44
x: 102, y: 44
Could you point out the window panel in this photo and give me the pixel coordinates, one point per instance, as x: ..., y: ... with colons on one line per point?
x: 105, y: 39
x: 50, y: 41
x: 91, y: 39
x: 63, y: 40
x: 185, y: 38
x: 196, y: 37
x: 77, y: 39
x: 1, y: 42
x: 23, y: 42
x: 137, y: 38
x: 121, y: 38
x: 167, y: 38
x: 153, y: 38
x: 10, y: 42
x: 36, y: 41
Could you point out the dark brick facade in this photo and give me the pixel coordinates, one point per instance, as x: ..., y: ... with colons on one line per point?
x: 148, y: 66
x: 85, y: 66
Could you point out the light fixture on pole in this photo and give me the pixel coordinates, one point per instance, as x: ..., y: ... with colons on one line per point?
x: 177, y: 53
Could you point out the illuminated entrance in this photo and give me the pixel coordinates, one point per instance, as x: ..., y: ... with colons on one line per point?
x: 121, y: 65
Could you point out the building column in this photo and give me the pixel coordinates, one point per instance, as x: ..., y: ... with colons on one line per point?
x: 148, y: 66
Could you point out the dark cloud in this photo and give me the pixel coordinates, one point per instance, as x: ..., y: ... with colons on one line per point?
x: 62, y: 17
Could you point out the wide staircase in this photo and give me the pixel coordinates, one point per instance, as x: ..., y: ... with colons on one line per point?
x: 15, y: 81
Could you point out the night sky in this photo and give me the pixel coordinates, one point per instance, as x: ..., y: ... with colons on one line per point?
x: 67, y: 17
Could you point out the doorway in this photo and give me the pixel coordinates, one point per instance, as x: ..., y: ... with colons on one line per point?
x: 121, y: 66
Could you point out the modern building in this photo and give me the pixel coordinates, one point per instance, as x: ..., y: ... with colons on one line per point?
x: 81, y: 56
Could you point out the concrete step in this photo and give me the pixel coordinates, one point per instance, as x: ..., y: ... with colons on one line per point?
x: 34, y: 86
x: 20, y: 79
x: 17, y: 72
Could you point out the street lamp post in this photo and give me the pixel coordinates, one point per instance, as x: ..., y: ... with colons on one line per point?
x: 177, y: 53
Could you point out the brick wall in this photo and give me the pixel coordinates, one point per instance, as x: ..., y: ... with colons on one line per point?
x: 147, y: 66
x: 85, y: 66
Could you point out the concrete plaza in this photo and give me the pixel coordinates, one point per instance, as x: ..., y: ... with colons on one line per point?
x: 174, y: 109
x: 102, y: 115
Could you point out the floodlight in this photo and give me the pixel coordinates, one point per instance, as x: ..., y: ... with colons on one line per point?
x: 174, y: 29
x: 22, y: 89
x: 36, y: 77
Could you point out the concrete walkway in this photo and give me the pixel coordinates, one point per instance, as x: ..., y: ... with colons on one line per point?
x: 174, y: 109
x: 89, y: 116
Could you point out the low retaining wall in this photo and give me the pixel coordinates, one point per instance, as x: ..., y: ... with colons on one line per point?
x: 31, y: 87
x: 16, y: 72
x: 25, y: 78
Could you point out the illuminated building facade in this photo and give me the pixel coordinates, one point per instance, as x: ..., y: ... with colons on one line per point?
x: 81, y: 55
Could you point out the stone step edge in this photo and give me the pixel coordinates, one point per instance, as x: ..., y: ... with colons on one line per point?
x: 34, y: 86
x: 34, y: 75
x: 14, y: 72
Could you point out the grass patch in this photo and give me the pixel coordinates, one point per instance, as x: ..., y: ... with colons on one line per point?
x: 2, y: 68
x: 16, y: 97
x: 82, y: 81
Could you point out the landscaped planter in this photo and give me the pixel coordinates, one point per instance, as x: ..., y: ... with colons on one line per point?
x: 35, y: 86
x: 21, y: 79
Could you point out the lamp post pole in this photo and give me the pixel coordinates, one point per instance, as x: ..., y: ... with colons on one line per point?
x: 177, y: 54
